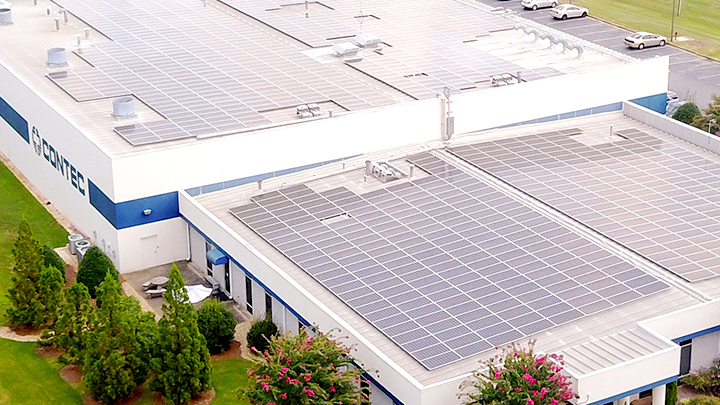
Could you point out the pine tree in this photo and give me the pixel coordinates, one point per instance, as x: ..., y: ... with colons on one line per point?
x: 182, y: 361
x: 93, y: 268
x: 116, y: 359
x: 26, y: 308
x: 70, y: 331
x: 51, y: 285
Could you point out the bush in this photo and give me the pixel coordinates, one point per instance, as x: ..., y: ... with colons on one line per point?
x: 705, y: 380
x: 687, y: 112
x: 518, y: 376
x: 217, y: 324
x: 93, y: 268
x: 701, y: 400
x: 260, y: 332
x: 310, y: 370
x: 671, y: 395
x: 52, y: 259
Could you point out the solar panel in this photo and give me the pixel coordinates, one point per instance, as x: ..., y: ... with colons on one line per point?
x: 441, y: 292
x: 654, y: 197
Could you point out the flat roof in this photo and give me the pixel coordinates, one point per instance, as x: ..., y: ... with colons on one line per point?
x: 326, y: 181
x: 198, y: 69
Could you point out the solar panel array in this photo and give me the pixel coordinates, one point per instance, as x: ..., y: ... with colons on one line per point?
x: 446, y: 266
x: 206, y: 72
x: 654, y: 197
x: 427, y: 40
x: 202, y: 69
x: 89, y: 84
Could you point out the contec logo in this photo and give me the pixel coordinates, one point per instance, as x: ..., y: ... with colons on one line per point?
x: 36, y: 141
x: 55, y: 158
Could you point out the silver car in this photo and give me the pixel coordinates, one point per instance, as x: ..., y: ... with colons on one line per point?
x: 536, y: 4
x: 642, y: 39
x: 565, y: 11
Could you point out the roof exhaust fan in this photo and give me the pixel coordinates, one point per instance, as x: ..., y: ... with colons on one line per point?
x: 123, y: 107
x: 6, y: 17
x: 57, y: 57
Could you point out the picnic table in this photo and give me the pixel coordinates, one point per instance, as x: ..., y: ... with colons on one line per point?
x: 156, y: 282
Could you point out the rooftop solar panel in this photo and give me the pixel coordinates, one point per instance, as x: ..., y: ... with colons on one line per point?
x: 207, y: 72
x: 654, y: 197
x: 446, y: 281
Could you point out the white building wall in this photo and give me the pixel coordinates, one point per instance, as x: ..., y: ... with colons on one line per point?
x: 232, y: 157
x: 557, y: 95
x: 57, y: 131
x: 135, y: 245
x: 705, y: 349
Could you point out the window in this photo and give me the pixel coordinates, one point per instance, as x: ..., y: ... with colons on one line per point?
x: 300, y: 326
x: 248, y: 294
x: 208, y: 263
x: 227, y: 276
x: 685, y: 356
x: 268, y: 304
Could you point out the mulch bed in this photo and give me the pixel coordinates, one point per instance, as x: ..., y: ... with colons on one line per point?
x: 71, y: 373
x: 70, y: 274
x: 48, y: 351
x: 203, y: 398
x: 235, y: 352
x: 27, y: 331
x: 88, y: 400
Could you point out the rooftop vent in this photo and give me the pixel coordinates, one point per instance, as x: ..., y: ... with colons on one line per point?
x: 56, y: 57
x: 123, y: 107
x: 383, y: 171
x: 6, y: 17
x: 504, y: 79
x: 345, y: 49
x: 367, y: 40
x: 308, y: 110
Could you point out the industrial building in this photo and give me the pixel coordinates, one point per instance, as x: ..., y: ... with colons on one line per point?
x: 433, y: 178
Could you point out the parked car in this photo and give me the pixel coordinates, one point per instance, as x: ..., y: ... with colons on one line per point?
x: 536, y: 4
x: 642, y: 39
x: 565, y: 11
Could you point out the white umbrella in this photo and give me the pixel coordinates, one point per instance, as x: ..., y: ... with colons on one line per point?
x: 197, y: 293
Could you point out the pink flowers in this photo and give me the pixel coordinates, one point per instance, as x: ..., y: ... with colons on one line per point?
x: 284, y: 369
x: 530, y: 402
x: 266, y: 386
x: 310, y: 393
x: 283, y: 396
x: 332, y: 389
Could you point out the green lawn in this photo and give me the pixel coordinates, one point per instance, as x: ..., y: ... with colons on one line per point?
x: 698, y: 19
x: 16, y: 202
x: 229, y: 375
x: 28, y: 379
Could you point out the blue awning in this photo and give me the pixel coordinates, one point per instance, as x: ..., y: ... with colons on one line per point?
x: 216, y: 257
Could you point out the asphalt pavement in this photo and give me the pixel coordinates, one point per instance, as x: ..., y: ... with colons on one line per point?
x: 691, y: 76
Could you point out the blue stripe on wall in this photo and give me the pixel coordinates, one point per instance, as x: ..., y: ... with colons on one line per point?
x: 130, y: 213
x: 636, y: 391
x: 571, y: 114
x: 15, y: 120
x: 102, y: 203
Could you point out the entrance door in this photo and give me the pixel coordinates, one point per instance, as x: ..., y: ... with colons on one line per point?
x: 227, y: 277
x: 149, y: 251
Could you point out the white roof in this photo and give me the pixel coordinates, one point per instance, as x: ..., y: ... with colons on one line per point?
x: 578, y: 339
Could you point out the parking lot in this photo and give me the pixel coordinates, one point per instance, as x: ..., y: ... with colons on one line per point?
x: 690, y: 75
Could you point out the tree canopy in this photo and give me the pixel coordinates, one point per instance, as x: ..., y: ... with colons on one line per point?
x: 93, y: 268
x: 217, y: 325
x: 182, y: 360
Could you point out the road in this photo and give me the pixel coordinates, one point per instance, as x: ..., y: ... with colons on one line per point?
x: 691, y: 76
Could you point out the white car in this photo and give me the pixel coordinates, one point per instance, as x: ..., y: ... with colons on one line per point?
x: 565, y: 11
x: 642, y: 39
x: 536, y: 4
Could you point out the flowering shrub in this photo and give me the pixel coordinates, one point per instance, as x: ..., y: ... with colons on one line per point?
x: 517, y: 376
x: 300, y: 369
x: 705, y: 379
